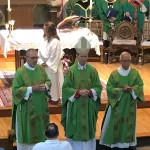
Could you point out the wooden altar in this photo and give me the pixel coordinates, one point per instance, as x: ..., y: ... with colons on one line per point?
x: 32, y: 38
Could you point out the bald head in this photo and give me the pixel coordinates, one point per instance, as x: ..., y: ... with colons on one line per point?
x: 29, y: 51
x: 125, y: 60
x: 125, y: 54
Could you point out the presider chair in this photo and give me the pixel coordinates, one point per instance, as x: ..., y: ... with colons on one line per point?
x: 145, y: 44
x: 124, y: 38
x: 96, y: 26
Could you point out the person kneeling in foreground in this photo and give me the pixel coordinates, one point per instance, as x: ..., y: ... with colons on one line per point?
x: 51, y: 133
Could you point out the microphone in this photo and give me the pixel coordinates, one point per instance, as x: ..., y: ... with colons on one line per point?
x: 47, y: 92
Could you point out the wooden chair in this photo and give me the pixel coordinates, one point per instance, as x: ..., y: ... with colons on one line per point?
x: 96, y: 26
x: 124, y: 38
x: 7, y: 142
x: 145, y: 44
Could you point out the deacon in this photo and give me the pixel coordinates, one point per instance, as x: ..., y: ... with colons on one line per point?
x: 81, y: 100
x: 124, y: 89
x: 110, y: 11
x: 30, y: 112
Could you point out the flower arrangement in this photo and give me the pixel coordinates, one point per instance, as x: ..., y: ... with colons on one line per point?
x: 65, y: 61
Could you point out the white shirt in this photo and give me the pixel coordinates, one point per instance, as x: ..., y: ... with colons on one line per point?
x: 53, y: 145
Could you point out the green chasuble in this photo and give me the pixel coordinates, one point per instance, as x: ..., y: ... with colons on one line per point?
x: 82, y: 9
x: 127, y: 7
x: 103, y: 6
x: 122, y: 123
x: 79, y: 117
x: 70, y: 7
x: 32, y: 114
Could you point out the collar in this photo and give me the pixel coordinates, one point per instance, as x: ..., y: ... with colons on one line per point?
x: 52, y: 141
x: 80, y: 67
x: 84, y: 1
x: 123, y: 72
x: 28, y: 67
x: 110, y: 2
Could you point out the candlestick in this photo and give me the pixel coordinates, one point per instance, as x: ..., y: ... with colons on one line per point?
x: 6, y: 26
x: 90, y: 15
x: 90, y: 4
x: 8, y: 4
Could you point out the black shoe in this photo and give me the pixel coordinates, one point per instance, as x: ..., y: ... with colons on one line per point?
x: 106, y: 43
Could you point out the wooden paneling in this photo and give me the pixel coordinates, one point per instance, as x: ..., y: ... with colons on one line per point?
x: 23, y: 16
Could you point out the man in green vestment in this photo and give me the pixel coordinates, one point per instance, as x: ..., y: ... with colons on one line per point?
x: 124, y: 89
x: 82, y: 8
x: 30, y: 112
x: 70, y: 7
x: 111, y: 20
x: 67, y: 9
x: 136, y: 10
x: 81, y: 101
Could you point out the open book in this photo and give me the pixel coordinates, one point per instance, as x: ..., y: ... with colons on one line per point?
x: 111, y: 12
x: 68, y: 22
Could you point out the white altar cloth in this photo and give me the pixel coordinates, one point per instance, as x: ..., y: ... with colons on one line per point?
x: 26, y: 39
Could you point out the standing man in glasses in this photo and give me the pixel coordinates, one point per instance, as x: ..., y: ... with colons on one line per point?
x: 124, y: 89
x: 30, y: 112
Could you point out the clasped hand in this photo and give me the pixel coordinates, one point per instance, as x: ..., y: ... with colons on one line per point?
x: 38, y: 88
x: 84, y: 92
x: 127, y: 88
x: 112, y: 19
x: 44, y: 65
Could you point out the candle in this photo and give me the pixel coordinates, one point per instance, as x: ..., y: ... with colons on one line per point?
x: 6, y: 26
x: 91, y: 4
x: 12, y: 22
x: 8, y: 4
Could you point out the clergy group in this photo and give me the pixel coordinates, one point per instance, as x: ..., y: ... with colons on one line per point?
x: 79, y: 93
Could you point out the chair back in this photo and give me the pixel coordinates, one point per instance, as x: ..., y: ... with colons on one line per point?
x: 146, y: 30
x: 96, y: 26
x: 125, y: 30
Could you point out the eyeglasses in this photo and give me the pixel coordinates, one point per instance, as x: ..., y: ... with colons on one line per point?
x: 33, y: 57
x: 126, y: 61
